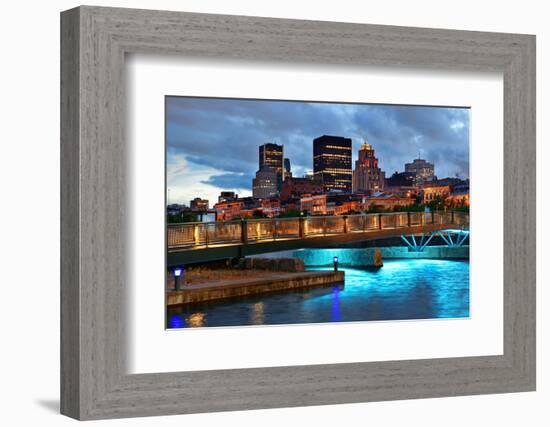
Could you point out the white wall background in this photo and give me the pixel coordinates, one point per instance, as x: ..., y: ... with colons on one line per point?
x: 29, y: 213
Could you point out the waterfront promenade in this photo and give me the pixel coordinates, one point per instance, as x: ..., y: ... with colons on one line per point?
x: 270, y: 282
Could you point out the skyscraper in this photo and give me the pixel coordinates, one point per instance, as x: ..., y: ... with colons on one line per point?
x: 423, y: 170
x: 367, y: 176
x: 332, y: 162
x: 264, y: 185
x: 271, y: 155
x: 287, y: 170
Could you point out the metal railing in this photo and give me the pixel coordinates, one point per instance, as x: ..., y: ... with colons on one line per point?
x: 204, y: 234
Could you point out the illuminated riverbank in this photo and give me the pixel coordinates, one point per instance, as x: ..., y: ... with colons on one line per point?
x: 402, y: 289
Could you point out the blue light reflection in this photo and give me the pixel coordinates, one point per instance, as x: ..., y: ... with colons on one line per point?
x: 401, y: 289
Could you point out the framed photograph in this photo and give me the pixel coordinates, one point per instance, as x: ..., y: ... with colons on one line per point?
x: 278, y: 213
x: 298, y: 232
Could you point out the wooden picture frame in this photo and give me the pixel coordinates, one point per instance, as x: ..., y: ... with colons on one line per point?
x: 94, y: 382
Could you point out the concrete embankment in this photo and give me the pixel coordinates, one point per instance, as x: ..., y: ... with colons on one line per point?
x: 365, y: 256
x: 243, y: 287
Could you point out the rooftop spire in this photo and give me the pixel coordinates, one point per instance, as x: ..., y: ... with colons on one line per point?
x: 366, y: 145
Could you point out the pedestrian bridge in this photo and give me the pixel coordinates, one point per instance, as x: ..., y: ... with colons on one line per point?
x: 191, y: 243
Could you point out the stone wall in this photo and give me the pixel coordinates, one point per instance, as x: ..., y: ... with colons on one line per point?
x: 272, y: 264
x: 231, y: 289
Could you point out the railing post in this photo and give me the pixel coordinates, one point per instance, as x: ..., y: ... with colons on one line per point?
x: 195, y: 242
x: 408, y: 219
x: 380, y: 221
x: 244, y: 232
x: 345, y: 224
x: 364, y: 222
x: 452, y: 216
x: 301, y: 230
x: 433, y: 216
x: 324, y: 225
x: 274, y: 229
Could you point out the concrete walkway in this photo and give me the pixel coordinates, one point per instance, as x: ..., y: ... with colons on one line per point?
x: 258, y: 285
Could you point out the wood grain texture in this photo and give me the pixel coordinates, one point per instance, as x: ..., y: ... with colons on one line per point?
x: 94, y: 382
x: 70, y: 332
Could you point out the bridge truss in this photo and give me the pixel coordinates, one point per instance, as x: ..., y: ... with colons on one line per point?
x: 453, y: 238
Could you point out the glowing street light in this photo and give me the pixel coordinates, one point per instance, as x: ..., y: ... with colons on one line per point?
x: 335, y: 262
x: 178, y: 271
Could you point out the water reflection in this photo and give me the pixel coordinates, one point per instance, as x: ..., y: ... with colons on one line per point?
x: 175, y: 321
x: 196, y: 320
x: 402, y: 289
x: 258, y: 313
x: 336, y: 316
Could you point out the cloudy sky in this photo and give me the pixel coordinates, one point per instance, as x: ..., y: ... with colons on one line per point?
x: 212, y: 144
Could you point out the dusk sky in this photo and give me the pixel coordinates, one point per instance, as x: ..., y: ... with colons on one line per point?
x: 212, y: 144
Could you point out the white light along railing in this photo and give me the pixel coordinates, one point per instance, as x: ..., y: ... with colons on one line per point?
x: 203, y: 234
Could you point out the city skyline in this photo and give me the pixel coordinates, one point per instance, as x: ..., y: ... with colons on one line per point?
x: 212, y: 144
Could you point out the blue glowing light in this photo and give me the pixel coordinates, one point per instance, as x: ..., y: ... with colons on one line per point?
x: 177, y: 271
x: 335, y: 314
x: 335, y: 259
x: 176, y: 321
x: 402, y: 289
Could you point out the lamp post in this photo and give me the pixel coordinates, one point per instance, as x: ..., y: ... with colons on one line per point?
x: 178, y: 271
x: 335, y: 263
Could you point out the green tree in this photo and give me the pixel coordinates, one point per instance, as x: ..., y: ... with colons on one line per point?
x: 462, y: 207
x: 182, y: 217
x: 417, y: 207
x: 372, y: 208
x: 290, y: 213
x: 258, y: 214
x: 437, y: 204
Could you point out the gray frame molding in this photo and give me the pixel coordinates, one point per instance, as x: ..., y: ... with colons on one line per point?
x: 94, y: 41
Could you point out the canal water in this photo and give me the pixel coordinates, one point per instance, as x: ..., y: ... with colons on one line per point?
x: 401, y: 289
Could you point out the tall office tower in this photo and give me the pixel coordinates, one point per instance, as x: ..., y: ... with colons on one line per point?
x: 332, y: 163
x: 367, y: 176
x: 287, y: 171
x: 423, y: 170
x: 271, y: 156
x: 264, y: 185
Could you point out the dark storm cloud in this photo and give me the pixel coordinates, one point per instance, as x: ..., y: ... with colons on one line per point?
x: 225, y: 134
x: 229, y: 180
x: 399, y: 134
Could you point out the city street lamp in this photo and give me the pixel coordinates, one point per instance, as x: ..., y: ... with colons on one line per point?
x: 178, y: 272
x: 335, y: 262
